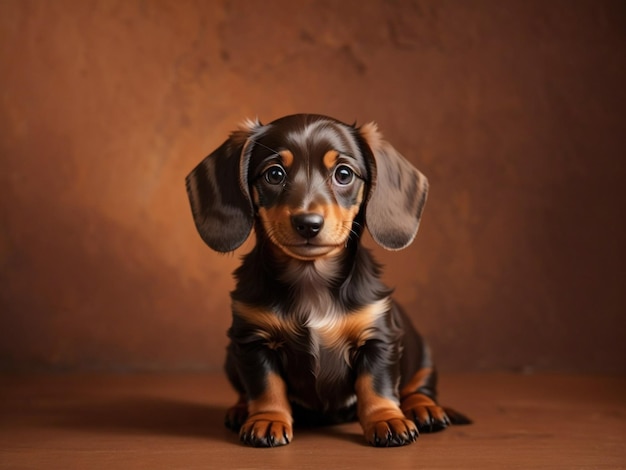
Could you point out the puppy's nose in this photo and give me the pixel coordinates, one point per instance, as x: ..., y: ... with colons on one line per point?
x: 307, y: 224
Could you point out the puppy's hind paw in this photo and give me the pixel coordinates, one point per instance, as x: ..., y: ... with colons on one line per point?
x: 236, y: 416
x: 428, y: 415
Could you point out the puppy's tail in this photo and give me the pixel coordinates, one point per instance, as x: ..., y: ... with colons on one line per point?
x: 456, y: 417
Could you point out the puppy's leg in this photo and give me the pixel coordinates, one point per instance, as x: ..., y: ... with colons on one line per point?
x: 418, y: 388
x: 262, y: 414
x: 237, y: 414
x: 417, y: 401
x: 269, y: 421
x: 383, y: 423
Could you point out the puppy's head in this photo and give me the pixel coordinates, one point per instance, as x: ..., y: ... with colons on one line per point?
x: 311, y: 182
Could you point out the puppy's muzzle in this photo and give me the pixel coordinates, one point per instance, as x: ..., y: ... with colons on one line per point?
x: 308, y: 224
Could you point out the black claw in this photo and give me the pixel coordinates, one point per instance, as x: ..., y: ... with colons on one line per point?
x: 259, y: 442
x: 425, y: 426
x: 381, y: 441
x: 438, y: 426
x: 269, y: 438
x: 395, y: 439
x: 412, y: 434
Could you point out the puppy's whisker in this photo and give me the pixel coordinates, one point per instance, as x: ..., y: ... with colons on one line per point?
x: 348, y: 226
x: 256, y: 142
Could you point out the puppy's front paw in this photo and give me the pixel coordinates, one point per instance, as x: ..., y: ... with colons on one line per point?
x: 392, y: 432
x: 266, y: 430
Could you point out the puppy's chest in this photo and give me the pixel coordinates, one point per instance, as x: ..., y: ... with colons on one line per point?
x: 316, y: 327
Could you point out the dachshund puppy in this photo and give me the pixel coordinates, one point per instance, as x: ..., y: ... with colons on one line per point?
x: 315, y: 336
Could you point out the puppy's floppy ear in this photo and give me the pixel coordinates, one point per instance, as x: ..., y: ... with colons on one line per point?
x: 397, y: 193
x: 218, y: 192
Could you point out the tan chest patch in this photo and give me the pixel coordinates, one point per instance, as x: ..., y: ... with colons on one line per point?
x: 338, y: 331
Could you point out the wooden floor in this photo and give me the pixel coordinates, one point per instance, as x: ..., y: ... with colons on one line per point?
x: 174, y: 421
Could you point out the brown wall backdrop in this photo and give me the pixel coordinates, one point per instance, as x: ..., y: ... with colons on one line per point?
x: 513, y: 109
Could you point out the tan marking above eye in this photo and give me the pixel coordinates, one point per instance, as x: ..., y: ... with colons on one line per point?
x: 287, y: 158
x: 330, y: 159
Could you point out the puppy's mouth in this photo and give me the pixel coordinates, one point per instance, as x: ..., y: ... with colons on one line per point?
x: 308, y: 250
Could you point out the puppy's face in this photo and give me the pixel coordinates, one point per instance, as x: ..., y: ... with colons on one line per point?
x: 310, y: 182
x: 307, y: 182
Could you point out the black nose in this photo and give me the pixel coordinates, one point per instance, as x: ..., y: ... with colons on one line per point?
x: 307, y: 224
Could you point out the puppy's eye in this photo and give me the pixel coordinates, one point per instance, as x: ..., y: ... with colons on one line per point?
x: 344, y: 175
x: 275, y: 175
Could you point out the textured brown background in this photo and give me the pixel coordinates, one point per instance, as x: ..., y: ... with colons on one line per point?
x: 514, y: 110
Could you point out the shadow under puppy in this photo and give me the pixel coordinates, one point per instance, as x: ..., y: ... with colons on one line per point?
x: 315, y: 334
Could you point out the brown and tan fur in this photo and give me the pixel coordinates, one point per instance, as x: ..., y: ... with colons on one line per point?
x: 315, y: 335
